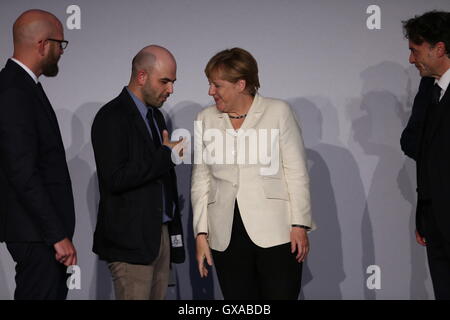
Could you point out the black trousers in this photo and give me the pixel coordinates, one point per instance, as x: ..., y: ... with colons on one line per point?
x: 438, y: 252
x: 248, y: 272
x: 38, y: 275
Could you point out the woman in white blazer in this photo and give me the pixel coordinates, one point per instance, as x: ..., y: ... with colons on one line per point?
x: 250, y: 186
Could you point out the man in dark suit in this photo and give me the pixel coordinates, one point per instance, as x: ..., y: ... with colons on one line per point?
x: 426, y: 139
x: 138, y: 228
x: 37, y: 217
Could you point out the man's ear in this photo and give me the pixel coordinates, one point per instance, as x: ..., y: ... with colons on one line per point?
x: 441, y: 51
x: 142, y: 77
x: 42, y: 48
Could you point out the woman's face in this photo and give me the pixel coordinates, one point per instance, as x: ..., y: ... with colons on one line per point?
x: 225, y: 93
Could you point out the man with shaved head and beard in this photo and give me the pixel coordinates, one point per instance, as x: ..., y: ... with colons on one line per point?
x: 37, y: 217
x: 138, y: 228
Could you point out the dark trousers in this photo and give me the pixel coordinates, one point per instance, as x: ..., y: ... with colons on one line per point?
x: 38, y: 275
x: 248, y: 272
x: 438, y: 252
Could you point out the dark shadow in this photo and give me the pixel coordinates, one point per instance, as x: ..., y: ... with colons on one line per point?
x: 85, y: 192
x: 103, y: 288
x: 386, y: 219
x: 190, y: 285
x: 323, y: 271
x: 101, y: 282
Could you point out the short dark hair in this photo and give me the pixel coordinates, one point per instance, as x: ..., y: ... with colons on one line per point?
x: 233, y: 65
x: 432, y: 27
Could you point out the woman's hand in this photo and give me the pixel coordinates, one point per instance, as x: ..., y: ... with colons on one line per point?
x: 299, y: 242
x: 202, y: 252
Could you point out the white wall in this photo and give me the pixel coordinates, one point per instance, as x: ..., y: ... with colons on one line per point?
x: 351, y: 87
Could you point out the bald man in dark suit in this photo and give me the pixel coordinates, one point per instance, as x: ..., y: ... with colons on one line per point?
x: 37, y: 217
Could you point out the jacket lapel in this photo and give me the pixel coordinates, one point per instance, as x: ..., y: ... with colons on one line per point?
x: 254, y: 114
x: 38, y: 93
x: 136, y: 117
x: 252, y: 119
x: 442, y: 110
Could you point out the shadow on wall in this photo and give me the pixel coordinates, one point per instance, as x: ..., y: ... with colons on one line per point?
x: 101, y: 282
x: 190, y: 285
x: 4, y: 293
x: 387, y: 220
x: 85, y: 189
x: 323, y: 271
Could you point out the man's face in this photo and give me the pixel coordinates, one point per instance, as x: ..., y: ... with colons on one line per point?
x: 50, y: 64
x: 424, y: 57
x: 159, y: 84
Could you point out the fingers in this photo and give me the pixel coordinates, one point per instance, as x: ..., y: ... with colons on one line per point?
x: 203, y: 271
x: 299, y: 243
x: 209, y: 258
x: 172, y: 144
x: 303, y: 252
x: 69, y: 259
x: 65, y: 252
x: 302, y: 247
x: 420, y: 240
x: 165, y: 136
x: 203, y: 252
x: 202, y: 268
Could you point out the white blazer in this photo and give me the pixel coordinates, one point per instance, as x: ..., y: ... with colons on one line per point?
x: 271, y: 197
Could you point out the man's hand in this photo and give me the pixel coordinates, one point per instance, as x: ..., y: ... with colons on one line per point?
x: 420, y: 240
x: 167, y: 142
x: 65, y: 252
x: 176, y: 146
x: 202, y: 252
x: 299, y: 242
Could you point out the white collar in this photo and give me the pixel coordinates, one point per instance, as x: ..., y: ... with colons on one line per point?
x: 24, y: 67
x: 444, y: 81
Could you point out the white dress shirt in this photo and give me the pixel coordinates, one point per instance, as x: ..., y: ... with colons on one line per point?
x: 24, y: 67
x: 443, y: 83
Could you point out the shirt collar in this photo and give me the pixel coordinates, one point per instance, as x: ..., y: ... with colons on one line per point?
x: 24, y: 67
x: 143, y: 109
x: 444, y: 81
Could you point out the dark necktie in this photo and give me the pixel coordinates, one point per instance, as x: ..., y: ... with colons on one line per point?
x: 154, y: 130
x: 435, y: 94
x: 423, y: 163
x: 167, y: 193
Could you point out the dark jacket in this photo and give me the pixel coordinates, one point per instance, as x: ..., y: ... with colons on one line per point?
x: 131, y: 171
x: 434, y: 153
x: 36, y: 192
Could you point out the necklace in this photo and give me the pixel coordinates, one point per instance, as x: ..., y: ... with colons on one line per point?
x: 238, y: 117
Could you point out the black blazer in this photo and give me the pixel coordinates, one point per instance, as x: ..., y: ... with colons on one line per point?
x: 130, y: 173
x: 438, y: 150
x: 36, y: 192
